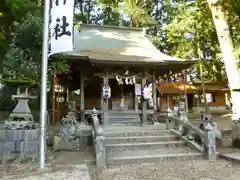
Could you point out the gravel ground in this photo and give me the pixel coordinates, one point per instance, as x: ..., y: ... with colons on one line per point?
x: 79, y: 172
x: 55, y: 160
x: 167, y: 170
x: 180, y: 170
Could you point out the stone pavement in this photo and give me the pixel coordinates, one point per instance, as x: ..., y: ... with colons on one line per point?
x: 231, y: 154
x: 73, y: 158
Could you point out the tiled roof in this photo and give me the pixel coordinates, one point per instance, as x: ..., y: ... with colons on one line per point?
x: 107, y: 43
x: 190, y: 88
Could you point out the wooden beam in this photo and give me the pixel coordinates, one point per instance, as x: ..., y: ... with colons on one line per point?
x: 135, y: 99
x: 113, y: 75
x: 154, y: 94
x: 82, y: 96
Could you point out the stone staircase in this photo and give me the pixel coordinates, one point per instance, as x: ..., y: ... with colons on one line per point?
x: 124, y: 117
x: 152, y: 143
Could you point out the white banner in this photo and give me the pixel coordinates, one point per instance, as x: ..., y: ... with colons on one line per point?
x: 61, y: 27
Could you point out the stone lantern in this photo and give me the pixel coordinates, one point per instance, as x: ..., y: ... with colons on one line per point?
x: 21, y: 116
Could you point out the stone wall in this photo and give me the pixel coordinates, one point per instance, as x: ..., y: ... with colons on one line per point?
x: 19, y: 144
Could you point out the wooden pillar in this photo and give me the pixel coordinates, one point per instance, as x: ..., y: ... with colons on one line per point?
x: 105, y: 103
x: 135, y: 99
x: 82, y: 97
x: 168, y: 101
x: 144, y: 104
x: 65, y: 95
x: 154, y: 96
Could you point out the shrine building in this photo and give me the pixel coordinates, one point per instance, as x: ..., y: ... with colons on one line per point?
x: 123, y: 59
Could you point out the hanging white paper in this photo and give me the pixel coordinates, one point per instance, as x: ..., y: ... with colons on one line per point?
x: 61, y: 27
x: 209, y: 97
x: 138, y: 90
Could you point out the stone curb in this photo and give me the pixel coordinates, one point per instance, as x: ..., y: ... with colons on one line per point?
x: 229, y: 158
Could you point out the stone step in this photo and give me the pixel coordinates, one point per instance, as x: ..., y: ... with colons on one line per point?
x: 124, y: 119
x: 155, y: 127
x: 153, y: 158
x: 140, y: 139
x: 131, y: 133
x: 128, y: 123
x: 129, y: 116
x: 127, y: 112
x: 116, y: 149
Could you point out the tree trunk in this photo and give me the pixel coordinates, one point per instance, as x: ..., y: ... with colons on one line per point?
x: 204, y: 91
x: 227, y: 48
x: 81, y: 7
x: 89, y: 11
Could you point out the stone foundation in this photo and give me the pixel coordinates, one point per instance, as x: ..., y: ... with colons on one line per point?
x: 19, y: 144
x: 227, y: 139
x: 82, y: 138
x: 236, y: 135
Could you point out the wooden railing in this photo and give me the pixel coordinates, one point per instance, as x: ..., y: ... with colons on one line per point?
x: 98, y: 141
x: 203, y: 140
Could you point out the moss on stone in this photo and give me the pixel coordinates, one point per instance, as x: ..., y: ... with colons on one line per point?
x: 20, y: 82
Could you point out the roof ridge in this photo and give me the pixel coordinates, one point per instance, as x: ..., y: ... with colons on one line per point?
x: 112, y: 27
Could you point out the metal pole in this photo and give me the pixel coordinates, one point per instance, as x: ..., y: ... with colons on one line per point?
x: 185, y: 91
x: 43, y: 109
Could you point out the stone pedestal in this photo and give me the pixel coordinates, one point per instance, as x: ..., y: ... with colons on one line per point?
x: 19, y: 143
x: 72, y: 135
x: 210, y: 141
x: 236, y: 134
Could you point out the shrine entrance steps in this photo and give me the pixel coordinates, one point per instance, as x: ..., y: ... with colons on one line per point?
x: 124, y: 117
x: 152, y: 143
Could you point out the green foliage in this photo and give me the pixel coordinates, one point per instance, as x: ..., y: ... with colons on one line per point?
x: 137, y: 12
x: 6, y: 101
x: 190, y: 33
x: 184, y: 29
x: 23, y: 41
